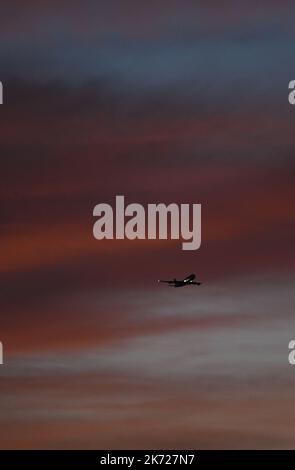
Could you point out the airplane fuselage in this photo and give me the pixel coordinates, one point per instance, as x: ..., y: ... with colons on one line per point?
x: 188, y: 281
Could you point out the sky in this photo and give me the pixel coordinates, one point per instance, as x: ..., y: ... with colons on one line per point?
x: 179, y: 101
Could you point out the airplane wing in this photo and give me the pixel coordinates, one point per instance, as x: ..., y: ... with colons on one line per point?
x: 189, y: 278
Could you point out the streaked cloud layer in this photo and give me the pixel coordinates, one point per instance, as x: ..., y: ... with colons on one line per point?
x: 160, y: 101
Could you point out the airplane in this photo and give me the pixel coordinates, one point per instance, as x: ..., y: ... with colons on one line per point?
x: 188, y: 281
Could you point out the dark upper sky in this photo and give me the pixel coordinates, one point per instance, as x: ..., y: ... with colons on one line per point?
x: 163, y: 102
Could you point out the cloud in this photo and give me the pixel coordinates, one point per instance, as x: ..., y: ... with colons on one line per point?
x: 160, y: 101
x: 217, y: 383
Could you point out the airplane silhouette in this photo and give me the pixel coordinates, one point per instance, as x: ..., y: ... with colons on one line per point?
x: 188, y: 281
